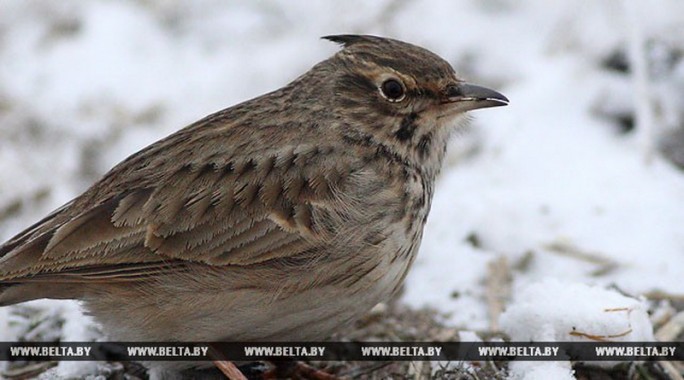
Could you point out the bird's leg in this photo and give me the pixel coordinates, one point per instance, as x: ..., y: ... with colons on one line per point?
x: 229, y: 369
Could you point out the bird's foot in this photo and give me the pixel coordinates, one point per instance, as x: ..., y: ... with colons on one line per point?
x: 229, y: 369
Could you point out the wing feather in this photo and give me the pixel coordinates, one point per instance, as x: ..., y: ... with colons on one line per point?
x: 237, y: 212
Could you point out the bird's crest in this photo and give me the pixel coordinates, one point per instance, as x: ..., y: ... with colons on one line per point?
x: 347, y: 40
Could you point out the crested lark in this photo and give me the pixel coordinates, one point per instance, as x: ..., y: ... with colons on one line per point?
x: 280, y: 218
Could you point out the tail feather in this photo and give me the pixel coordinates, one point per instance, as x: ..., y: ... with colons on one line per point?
x: 11, y: 294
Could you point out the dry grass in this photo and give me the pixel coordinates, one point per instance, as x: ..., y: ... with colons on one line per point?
x: 396, y: 322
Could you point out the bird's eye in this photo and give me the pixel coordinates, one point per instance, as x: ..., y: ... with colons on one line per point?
x: 392, y: 90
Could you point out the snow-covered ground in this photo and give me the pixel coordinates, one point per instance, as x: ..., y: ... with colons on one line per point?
x: 556, y: 185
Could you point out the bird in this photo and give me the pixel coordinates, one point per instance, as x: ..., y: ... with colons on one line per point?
x: 282, y: 218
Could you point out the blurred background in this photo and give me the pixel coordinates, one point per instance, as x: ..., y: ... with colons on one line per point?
x: 579, y: 179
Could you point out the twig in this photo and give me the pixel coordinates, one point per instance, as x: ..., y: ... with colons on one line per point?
x: 662, y: 313
x: 669, y: 332
x: 658, y: 295
x: 672, y: 372
x: 671, y: 329
x: 600, y: 338
x: 419, y: 369
x: 30, y: 371
x: 498, y: 289
x: 569, y: 250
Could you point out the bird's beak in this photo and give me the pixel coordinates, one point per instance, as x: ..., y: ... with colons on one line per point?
x: 467, y: 97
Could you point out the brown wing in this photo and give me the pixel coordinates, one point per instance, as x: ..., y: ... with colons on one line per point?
x: 238, y: 212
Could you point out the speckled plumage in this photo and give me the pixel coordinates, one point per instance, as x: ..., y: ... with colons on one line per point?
x: 280, y: 218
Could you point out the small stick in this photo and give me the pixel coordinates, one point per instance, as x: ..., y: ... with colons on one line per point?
x: 568, y: 250
x: 671, y: 329
x: 599, y: 338
x: 659, y: 295
x: 671, y: 371
x: 498, y: 289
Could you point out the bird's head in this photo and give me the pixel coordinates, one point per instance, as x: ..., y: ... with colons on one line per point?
x: 401, y: 94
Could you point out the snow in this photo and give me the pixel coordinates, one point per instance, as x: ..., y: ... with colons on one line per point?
x: 519, y: 370
x: 555, y: 311
x: 84, y: 84
x: 549, y: 170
